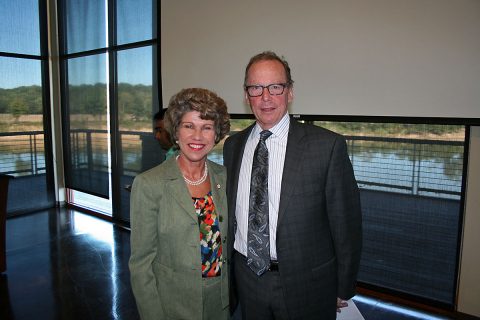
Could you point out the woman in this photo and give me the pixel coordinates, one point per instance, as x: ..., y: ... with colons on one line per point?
x: 175, y: 275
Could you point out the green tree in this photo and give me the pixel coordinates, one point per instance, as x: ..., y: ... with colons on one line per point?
x: 4, y: 101
x: 18, y: 107
x: 125, y: 103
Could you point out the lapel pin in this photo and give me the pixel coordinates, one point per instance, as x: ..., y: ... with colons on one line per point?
x: 218, y: 186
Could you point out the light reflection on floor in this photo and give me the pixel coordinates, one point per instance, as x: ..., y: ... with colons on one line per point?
x: 412, y: 314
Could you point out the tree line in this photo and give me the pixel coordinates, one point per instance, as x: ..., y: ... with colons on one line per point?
x: 135, y: 103
x: 133, y: 100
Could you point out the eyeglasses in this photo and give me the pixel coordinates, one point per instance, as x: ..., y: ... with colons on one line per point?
x: 274, y: 89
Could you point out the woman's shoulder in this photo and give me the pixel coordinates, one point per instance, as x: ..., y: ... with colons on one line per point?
x: 215, y: 167
x: 165, y: 170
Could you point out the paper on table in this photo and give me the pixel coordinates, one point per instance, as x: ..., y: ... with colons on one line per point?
x: 350, y: 313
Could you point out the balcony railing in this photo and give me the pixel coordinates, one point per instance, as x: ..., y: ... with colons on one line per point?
x: 22, y: 153
x: 414, y: 166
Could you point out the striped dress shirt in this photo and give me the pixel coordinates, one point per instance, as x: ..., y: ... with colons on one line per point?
x: 277, y: 146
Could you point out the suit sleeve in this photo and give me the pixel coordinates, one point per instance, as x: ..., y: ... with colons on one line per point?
x: 343, y: 207
x: 143, y: 241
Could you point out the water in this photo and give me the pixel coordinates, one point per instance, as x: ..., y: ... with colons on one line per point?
x: 22, y: 163
x: 437, y: 176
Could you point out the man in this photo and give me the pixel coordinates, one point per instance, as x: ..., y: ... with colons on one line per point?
x: 161, y: 134
x: 163, y: 138
x: 300, y: 259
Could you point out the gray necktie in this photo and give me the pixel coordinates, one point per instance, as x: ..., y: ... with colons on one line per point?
x: 258, y: 255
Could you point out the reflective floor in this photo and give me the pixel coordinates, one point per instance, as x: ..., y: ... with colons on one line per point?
x: 66, y: 265
x: 63, y: 264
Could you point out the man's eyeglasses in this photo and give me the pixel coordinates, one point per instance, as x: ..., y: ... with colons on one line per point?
x: 274, y: 89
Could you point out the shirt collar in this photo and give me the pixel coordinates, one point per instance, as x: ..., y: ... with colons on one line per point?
x: 279, y: 130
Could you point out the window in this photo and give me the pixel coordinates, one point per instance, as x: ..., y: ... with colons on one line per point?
x: 110, y: 80
x: 25, y: 147
x: 410, y: 178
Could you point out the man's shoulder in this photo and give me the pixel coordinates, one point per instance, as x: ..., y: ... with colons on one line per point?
x: 316, y: 131
x: 238, y: 135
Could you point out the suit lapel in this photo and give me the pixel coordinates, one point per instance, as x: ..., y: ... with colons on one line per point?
x: 237, y: 153
x: 179, y: 191
x: 291, y: 168
x: 218, y: 185
x: 175, y: 186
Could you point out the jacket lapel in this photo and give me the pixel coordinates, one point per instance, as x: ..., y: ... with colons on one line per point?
x: 238, y: 147
x: 175, y: 186
x: 291, y: 168
x: 238, y: 150
x: 178, y: 190
x: 218, y: 184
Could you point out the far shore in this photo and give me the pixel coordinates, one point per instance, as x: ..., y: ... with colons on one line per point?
x: 33, y: 122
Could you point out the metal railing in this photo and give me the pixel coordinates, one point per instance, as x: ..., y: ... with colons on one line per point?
x: 413, y: 166
x: 22, y: 153
x: 89, y: 149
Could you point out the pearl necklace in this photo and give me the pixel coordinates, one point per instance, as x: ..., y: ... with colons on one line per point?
x: 199, y: 181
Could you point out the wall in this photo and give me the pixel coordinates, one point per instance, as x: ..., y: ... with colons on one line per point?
x: 55, y: 99
x: 469, y: 284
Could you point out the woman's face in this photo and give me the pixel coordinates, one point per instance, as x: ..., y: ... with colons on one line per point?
x: 196, y: 137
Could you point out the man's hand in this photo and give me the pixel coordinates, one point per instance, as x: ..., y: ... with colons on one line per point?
x: 341, y: 304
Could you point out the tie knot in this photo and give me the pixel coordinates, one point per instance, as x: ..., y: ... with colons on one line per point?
x: 264, y: 135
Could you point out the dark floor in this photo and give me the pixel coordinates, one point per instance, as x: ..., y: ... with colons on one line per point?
x: 63, y: 264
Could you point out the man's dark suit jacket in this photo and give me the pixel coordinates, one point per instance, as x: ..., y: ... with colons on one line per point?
x: 319, y: 233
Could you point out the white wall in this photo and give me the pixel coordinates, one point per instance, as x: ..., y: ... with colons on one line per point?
x: 348, y: 57
x: 55, y: 98
x: 469, y: 284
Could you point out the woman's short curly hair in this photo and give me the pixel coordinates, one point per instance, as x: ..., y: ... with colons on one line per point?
x: 209, y: 104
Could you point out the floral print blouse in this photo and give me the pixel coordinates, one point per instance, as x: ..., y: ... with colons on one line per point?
x: 210, y: 237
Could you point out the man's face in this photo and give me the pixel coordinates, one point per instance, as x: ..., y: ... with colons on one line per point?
x: 268, y: 109
x: 162, y: 135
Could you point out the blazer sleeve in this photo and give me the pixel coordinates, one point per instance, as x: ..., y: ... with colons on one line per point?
x: 345, y: 217
x: 143, y: 243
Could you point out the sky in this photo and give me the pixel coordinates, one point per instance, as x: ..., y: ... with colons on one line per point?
x: 19, y: 33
